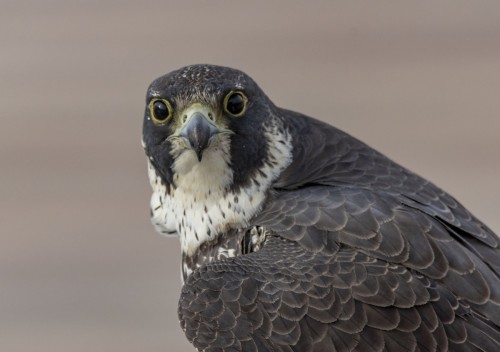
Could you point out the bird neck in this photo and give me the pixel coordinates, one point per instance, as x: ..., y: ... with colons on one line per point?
x: 202, y: 204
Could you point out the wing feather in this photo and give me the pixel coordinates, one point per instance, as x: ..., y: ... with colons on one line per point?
x: 361, y: 254
x: 302, y: 311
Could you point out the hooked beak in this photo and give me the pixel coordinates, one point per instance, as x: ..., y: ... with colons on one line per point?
x: 198, y: 131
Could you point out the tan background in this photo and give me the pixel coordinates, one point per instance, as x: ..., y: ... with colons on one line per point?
x: 81, y: 268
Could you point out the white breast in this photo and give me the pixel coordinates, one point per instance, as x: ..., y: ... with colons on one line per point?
x: 201, y: 205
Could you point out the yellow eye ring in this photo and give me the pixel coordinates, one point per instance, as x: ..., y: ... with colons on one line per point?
x: 160, y: 111
x: 235, y: 103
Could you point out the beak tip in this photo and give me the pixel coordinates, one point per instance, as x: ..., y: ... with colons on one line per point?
x: 199, y: 154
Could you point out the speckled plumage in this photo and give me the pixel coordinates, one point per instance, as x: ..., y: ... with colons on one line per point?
x: 298, y: 237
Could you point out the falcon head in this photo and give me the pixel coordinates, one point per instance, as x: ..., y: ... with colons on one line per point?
x: 215, y: 144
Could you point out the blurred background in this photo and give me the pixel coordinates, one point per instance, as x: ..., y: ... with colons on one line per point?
x: 81, y: 268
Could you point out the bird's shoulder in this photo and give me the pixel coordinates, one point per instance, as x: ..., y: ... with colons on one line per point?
x: 332, y: 165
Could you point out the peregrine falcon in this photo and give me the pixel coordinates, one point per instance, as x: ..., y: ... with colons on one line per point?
x: 296, y: 236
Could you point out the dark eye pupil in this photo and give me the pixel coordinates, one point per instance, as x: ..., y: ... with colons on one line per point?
x: 235, y: 104
x: 160, y: 110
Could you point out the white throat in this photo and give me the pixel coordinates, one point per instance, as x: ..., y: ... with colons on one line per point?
x: 201, y: 205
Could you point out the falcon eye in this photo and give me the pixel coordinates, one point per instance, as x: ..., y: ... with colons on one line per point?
x: 235, y: 103
x: 160, y: 110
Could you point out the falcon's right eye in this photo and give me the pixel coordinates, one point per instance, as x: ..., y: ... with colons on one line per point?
x: 160, y: 111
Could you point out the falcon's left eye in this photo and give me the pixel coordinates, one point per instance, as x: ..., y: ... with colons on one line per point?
x: 235, y: 103
x: 160, y: 110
